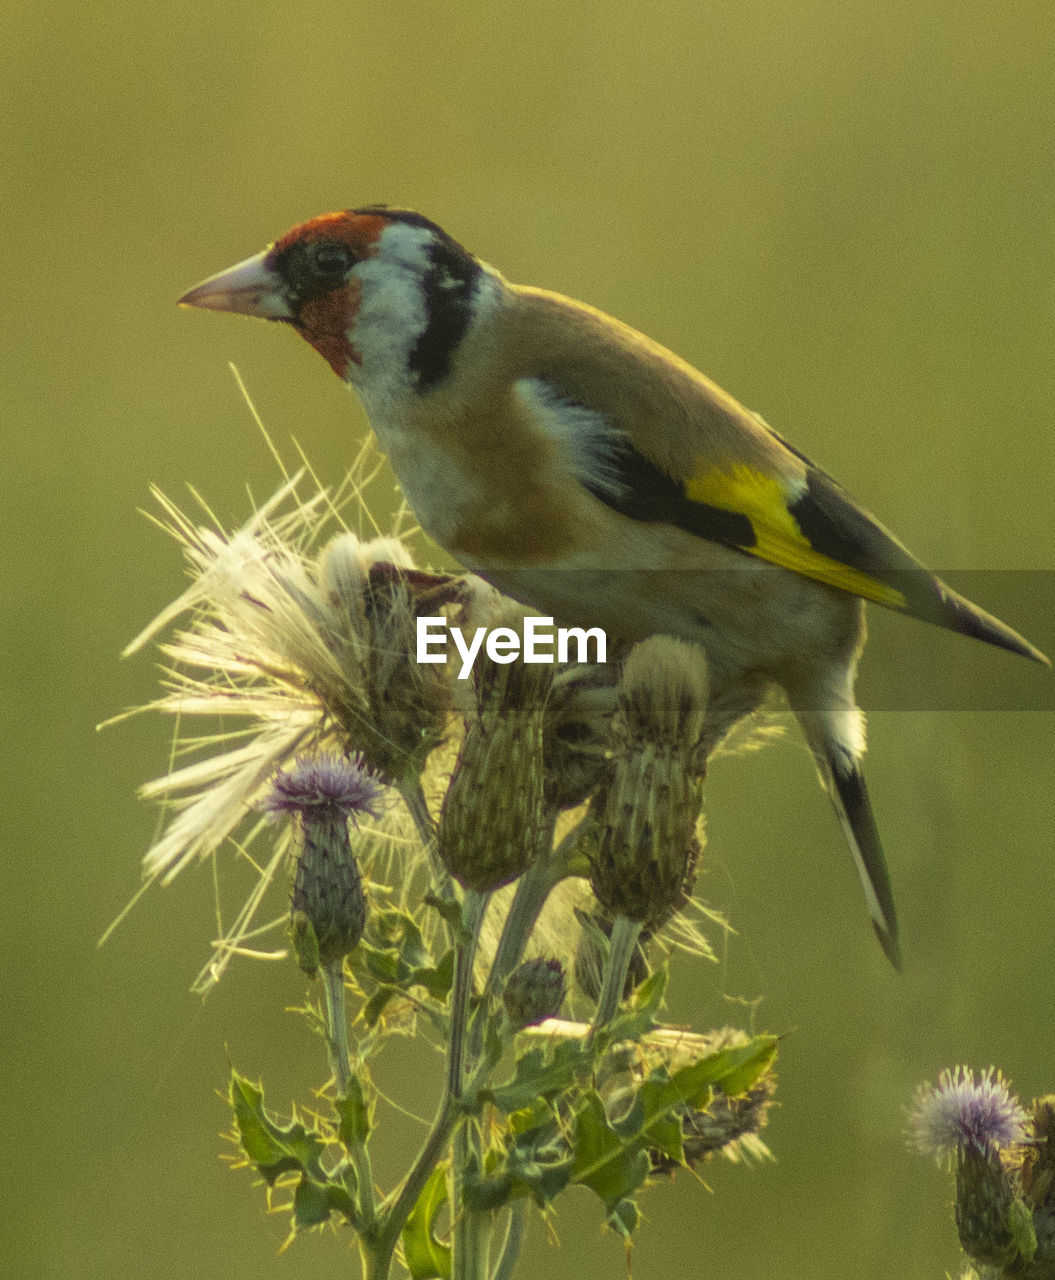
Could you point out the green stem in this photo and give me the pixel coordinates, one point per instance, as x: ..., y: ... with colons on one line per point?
x: 414, y: 798
x: 625, y: 933
x: 337, y: 1050
x: 533, y: 888
x: 473, y: 907
x: 507, y: 1259
x: 336, y: 1024
x: 394, y: 1218
x: 472, y: 1228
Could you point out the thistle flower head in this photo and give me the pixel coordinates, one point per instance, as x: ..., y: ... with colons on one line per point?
x: 328, y: 903
x: 964, y: 1113
x: 330, y: 786
x: 288, y: 651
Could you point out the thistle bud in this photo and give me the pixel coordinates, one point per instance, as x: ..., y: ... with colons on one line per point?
x: 328, y: 906
x: 588, y: 968
x: 644, y: 863
x: 984, y: 1194
x: 492, y: 816
x: 1038, y: 1162
x: 1038, y: 1185
x: 535, y: 991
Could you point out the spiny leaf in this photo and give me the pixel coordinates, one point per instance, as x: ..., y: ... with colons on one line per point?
x: 535, y: 1077
x: 375, y: 1006
x: 310, y: 1208
x: 640, y: 1016
x: 624, y: 1217
x: 437, y: 978
x: 274, y: 1149
x: 408, y: 965
x: 450, y: 911
x: 537, y: 1162
x: 396, y: 930
x: 737, y: 1069
x: 610, y: 1167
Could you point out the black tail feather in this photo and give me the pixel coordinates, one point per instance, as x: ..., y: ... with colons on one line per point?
x: 846, y: 785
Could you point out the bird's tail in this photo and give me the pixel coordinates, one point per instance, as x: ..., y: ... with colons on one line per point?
x: 844, y: 782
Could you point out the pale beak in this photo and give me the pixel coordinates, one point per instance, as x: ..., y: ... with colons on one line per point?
x: 251, y: 288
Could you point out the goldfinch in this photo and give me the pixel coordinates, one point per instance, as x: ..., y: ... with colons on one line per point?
x: 594, y: 476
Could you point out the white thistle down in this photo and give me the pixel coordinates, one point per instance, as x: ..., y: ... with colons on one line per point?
x: 258, y: 652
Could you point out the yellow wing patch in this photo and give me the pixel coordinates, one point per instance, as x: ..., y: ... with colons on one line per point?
x: 764, y: 501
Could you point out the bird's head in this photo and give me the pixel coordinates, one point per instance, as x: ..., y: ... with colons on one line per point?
x: 383, y: 294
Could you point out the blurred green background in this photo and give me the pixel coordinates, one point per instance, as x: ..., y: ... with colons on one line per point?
x: 842, y: 212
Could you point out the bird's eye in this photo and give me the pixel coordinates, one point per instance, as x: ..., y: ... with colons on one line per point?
x: 330, y: 259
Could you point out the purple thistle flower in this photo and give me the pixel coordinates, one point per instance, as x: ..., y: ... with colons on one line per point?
x: 962, y: 1114
x: 325, y: 787
x: 328, y: 905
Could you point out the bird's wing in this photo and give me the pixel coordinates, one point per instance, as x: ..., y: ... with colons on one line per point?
x: 716, y: 470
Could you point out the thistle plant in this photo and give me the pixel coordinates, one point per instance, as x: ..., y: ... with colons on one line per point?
x: 1004, y: 1159
x: 497, y: 865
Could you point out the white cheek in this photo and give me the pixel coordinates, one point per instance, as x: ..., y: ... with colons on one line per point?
x: 392, y: 314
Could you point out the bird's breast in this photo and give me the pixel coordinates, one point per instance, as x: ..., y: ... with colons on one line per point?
x: 489, y: 487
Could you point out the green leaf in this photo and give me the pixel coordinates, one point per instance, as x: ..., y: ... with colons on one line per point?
x: 274, y: 1149
x: 537, y: 1077
x: 397, y: 957
x: 436, y: 979
x: 654, y: 1117
x: 661, y: 1093
x: 736, y: 1070
x: 385, y: 966
x: 640, y: 1016
x: 535, y: 1162
x: 396, y: 930
x: 624, y: 1217
x: 530, y: 1117
x: 375, y: 1006
x: 667, y: 1136
x: 610, y: 1167
x: 427, y: 1257
x: 310, y: 1206
x: 1023, y: 1232
x: 450, y: 911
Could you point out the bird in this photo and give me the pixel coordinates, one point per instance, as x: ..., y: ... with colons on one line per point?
x: 593, y: 475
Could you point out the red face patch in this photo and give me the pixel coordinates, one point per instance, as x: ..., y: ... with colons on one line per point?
x: 360, y: 232
x: 325, y: 322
